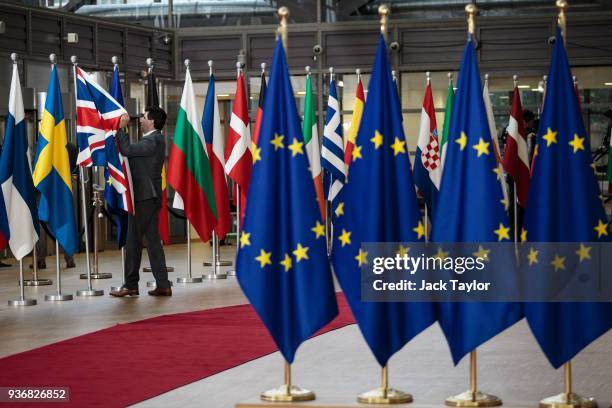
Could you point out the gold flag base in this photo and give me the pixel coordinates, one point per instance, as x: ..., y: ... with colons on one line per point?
x: 285, y: 394
x: 571, y: 400
x: 473, y: 399
x: 384, y: 396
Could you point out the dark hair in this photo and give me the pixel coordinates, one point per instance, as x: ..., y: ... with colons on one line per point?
x: 528, y: 115
x: 157, y: 115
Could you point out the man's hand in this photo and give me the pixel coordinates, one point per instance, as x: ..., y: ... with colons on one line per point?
x: 124, y: 121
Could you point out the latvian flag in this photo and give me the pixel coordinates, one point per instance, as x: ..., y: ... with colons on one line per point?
x: 516, y: 158
x: 98, y: 115
x: 427, y: 169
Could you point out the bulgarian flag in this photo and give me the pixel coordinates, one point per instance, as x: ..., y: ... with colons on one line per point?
x: 189, y: 169
x: 450, y: 99
x: 311, y: 140
x: 352, y: 133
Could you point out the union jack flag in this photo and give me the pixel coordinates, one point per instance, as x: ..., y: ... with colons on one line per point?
x: 98, y: 116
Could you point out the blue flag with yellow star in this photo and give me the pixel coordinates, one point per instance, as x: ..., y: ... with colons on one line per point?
x: 475, y: 210
x: 282, y: 263
x: 379, y: 204
x: 564, y: 206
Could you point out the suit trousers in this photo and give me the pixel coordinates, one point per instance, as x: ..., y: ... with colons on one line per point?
x: 145, y: 222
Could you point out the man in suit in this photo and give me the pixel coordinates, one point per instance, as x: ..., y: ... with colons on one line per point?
x: 146, y: 159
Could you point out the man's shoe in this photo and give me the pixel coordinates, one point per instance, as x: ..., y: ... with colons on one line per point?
x: 124, y: 292
x: 161, y: 292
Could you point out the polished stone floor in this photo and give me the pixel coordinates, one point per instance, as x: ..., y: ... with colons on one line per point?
x: 336, y: 365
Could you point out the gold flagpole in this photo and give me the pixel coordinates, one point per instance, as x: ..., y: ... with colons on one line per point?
x: 384, y: 394
x: 568, y: 398
x: 286, y: 392
x: 473, y: 397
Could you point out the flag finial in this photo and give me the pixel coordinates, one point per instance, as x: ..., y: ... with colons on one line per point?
x: 383, y: 12
x: 187, y: 64
x: 115, y: 60
x: 450, y: 77
x: 149, y: 62
x: 428, y: 76
x: 210, y: 67
x: 283, y: 15
x: 53, y: 58
x: 562, y: 5
x: 307, y: 69
x: 471, y: 11
x: 331, y: 73
x: 515, y: 80
x: 263, y: 67
x: 74, y: 59
x: 14, y: 57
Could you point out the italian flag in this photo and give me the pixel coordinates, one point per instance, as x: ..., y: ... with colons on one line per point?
x: 450, y: 98
x: 189, y: 169
x: 311, y: 140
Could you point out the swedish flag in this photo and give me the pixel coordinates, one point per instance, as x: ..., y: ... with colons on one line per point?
x: 563, y: 205
x: 52, y: 171
x: 379, y: 204
x: 475, y: 210
x: 282, y: 263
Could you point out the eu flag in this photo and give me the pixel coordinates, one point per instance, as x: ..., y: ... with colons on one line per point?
x: 379, y: 204
x: 474, y: 211
x: 563, y: 205
x: 114, y: 199
x: 282, y: 263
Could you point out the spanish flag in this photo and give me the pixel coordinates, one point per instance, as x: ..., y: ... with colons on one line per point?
x: 52, y: 171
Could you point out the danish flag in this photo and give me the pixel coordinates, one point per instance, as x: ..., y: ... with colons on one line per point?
x: 98, y: 117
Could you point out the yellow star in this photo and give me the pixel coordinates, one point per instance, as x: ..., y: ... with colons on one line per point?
x: 287, y: 262
x: 362, y: 257
x: 558, y: 262
x: 356, y: 153
x: 277, y: 142
x: 402, y: 250
x: 523, y: 235
x: 300, y: 252
x: 256, y: 153
x: 577, y: 143
x: 319, y: 230
x: 264, y: 258
x: 420, y: 230
x: 482, y: 253
x: 497, y: 172
x: 339, y: 209
x: 584, y: 252
x: 481, y: 147
x: 601, y: 228
x: 462, y: 141
x: 245, y: 239
x: 550, y: 137
x: 398, y: 146
x: 502, y: 232
x: 377, y: 139
x: 532, y: 256
x: 441, y: 254
x: 296, y: 147
x: 345, y: 237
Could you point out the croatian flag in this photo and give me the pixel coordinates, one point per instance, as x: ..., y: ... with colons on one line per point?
x: 427, y: 165
x: 19, y: 221
x: 98, y: 116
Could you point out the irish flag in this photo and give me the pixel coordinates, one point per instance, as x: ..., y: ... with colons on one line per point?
x: 189, y: 169
x: 311, y: 139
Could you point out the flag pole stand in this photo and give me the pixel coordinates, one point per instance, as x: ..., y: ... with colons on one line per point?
x: 97, y: 203
x: 287, y: 392
x: 190, y: 278
x: 115, y: 288
x: 232, y: 272
x: 58, y: 296
x: 216, y: 262
x: 384, y: 394
x: 568, y: 399
x: 89, y: 291
x: 473, y: 397
x: 35, y: 281
x: 22, y: 301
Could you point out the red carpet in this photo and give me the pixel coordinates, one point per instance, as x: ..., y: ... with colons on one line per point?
x: 102, y: 372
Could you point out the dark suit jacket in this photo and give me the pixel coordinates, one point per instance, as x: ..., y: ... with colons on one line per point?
x: 146, y: 159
